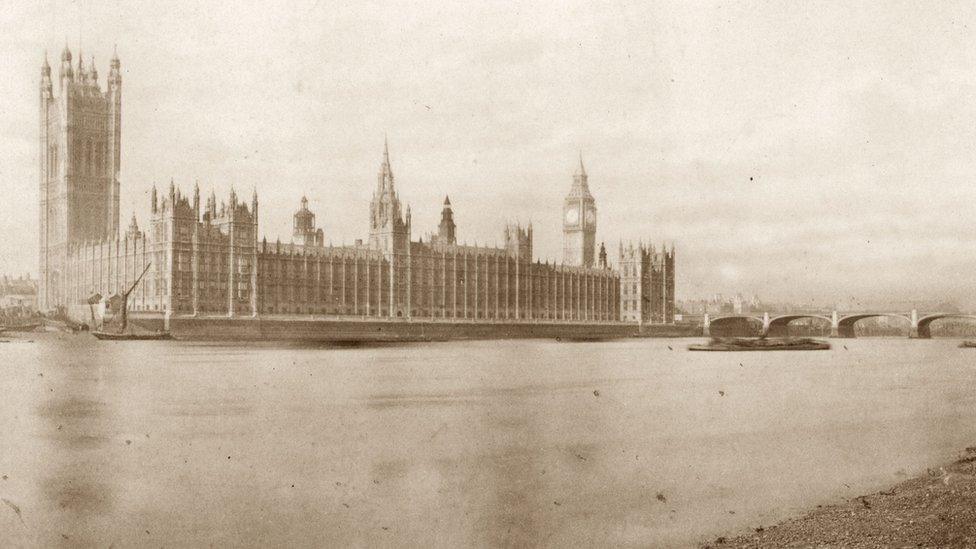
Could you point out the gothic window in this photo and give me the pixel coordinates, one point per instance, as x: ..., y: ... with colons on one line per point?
x: 99, y: 159
x: 88, y: 156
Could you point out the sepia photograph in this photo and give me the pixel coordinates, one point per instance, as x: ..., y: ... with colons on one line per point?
x: 487, y: 274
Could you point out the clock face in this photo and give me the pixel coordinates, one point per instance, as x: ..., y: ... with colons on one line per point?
x: 572, y: 216
x: 590, y: 217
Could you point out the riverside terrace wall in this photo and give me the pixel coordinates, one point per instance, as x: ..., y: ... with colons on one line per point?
x: 669, y: 330
x: 270, y: 328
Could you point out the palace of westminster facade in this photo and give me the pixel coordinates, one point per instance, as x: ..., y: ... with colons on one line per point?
x: 207, y: 259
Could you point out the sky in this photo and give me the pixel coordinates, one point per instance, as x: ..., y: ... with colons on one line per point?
x: 810, y: 152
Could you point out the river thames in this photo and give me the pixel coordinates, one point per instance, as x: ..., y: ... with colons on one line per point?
x: 485, y: 443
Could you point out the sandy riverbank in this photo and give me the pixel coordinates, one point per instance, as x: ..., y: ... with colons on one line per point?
x: 937, y: 509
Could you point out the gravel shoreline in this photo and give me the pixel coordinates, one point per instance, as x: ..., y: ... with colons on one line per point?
x: 937, y: 509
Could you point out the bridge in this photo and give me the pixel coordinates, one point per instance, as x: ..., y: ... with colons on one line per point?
x: 841, y: 325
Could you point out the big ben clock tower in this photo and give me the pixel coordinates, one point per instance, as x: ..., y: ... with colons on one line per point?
x: 579, y: 222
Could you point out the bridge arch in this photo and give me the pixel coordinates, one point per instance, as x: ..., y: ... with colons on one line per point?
x: 779, y: 324
x: 736, y: 325
x: 845, y: 326
x: 925, y: 323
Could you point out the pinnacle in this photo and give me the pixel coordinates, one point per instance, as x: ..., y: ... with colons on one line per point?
x: 581, y: 170
x: 447, y: 200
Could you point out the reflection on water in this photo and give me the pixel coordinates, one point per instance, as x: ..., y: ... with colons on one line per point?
x: 74, y: 424
x: 512, y: 443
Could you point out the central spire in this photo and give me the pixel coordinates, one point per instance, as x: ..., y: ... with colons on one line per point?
x: 385, y: 179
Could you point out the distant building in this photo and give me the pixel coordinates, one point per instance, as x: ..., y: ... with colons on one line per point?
x: 18, y: 293
x: 208, y: 261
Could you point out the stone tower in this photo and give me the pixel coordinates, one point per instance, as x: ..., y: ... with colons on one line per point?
x: 80, y: 138
x: 518, y: 241
x: 579, y: 222
x: 646, y: 284
x: 389, y: 232
x: 389, y: 229
x: 446, y: 231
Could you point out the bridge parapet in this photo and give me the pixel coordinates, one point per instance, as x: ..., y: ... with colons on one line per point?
x: 841, y: 324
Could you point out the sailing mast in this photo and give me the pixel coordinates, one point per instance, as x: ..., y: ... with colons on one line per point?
x: 125, y: 299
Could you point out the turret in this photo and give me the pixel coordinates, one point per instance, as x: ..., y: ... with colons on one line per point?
x: 81, y: 74
x: 446, y: 231
x: 603, y: 256
x: 196, y: 201
x: 93, y: 74
x: 233, y: 202
x: 254, y: 205
x: 114, y: 74
x: 518, y: 241
x: 46, y: 91
x: 153, y: 201
x: 304, y: 227
x: 133, y: 230
x: 67, y: 74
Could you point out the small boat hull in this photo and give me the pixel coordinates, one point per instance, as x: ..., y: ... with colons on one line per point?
x: 968, y: 344
x: 735, y: 345
x: 108, y: 336
x: 729, y: 348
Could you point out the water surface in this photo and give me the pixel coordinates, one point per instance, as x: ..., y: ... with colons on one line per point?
x: 494, y: 443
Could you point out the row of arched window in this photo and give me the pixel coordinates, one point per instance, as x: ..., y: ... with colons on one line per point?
x: 90, y: 157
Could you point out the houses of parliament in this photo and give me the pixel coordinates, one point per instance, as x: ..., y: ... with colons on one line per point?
x: 207, y: 259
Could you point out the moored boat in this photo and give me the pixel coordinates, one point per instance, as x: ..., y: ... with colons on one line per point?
x: 110, y: 336
x: 762, y: 344
x: 968, y: 344
x: 122, y: 335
